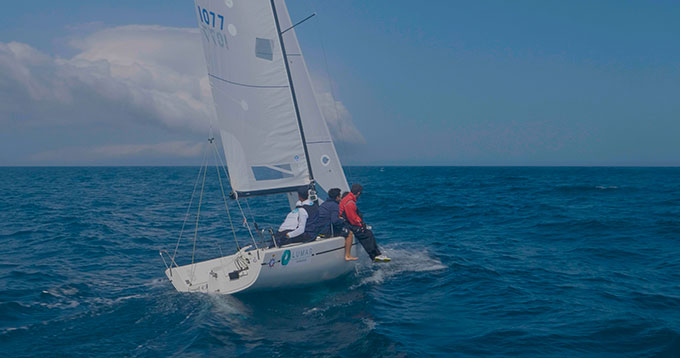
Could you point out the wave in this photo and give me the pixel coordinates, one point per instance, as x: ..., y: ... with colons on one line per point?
x: 403, y: 260
x: 486, y: 262
x: 586, y: 188
x: 587, y: 226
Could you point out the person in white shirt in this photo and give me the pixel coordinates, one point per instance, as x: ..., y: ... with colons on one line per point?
x: 293, y: 228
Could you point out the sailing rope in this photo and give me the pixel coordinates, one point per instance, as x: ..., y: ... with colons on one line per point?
x: 186, y: 216
x: 224, y: 197
x: 245, y: 220
x: 198, y: 213
x: 257, y: 228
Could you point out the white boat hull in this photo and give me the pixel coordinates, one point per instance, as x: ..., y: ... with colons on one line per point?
x: 264, y: 268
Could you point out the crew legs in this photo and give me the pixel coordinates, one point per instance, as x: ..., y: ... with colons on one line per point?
x: 367, y: 240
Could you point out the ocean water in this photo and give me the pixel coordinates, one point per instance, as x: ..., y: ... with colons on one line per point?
x: 488, y: 262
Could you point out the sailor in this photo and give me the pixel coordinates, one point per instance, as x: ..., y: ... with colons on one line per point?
x: 331, y: 224
x: 293, y: 228
x: 349, y: 210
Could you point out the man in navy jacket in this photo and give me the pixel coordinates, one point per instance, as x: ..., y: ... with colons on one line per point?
x: 331, y: 224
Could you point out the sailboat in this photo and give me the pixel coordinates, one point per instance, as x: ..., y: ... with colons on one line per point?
x: 275, y: 140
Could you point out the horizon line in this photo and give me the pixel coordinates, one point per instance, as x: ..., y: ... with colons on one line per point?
x: 371, y: 166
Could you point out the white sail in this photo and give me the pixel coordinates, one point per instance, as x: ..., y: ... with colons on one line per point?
x: 264, y: 123
x: 253, y: 99
x: 324, y: 159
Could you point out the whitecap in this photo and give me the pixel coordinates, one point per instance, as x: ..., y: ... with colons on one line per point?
x: 403, y: 260
x: 69, y: 291
x: 312, y: 310
x: 11, y: 329
x: 370, y: 324
x: 61, y: 305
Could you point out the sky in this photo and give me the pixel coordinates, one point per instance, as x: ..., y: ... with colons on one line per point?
x: 400, y: 82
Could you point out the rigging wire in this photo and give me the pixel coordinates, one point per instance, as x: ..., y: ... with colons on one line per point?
x: 331, y: 87
x: 238, y: 203
x: 198, y: 213
x: 216, y: 155
x: 186, y: 216
x: 224, y: 197
x: 245, y: 221
x: 257, y: 228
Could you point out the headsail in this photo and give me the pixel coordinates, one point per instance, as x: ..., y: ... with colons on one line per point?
x: 252, y: 94
x: 322, y: 155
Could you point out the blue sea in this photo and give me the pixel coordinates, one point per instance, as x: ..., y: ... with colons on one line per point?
x: 487, y: 262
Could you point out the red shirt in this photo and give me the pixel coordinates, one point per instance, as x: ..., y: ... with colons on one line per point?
x: 348, y: 207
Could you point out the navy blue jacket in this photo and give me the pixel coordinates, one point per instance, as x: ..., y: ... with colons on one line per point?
x: 329, y: 214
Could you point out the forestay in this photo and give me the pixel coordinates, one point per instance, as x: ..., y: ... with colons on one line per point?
x: 252, y: 94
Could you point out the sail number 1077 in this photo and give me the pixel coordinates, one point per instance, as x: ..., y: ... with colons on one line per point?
x: 211, y: 18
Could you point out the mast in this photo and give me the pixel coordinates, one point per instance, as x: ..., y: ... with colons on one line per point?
x: 292, y: 90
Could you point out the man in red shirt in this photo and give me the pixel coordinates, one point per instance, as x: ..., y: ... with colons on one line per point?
x: 349, y: 210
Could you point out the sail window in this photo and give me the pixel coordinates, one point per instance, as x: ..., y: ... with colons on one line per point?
x: 272, y: 172
x: 263, y: 49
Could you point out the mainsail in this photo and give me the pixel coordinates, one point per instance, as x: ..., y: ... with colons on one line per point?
x: 274, y: 136
x: 255, y: 109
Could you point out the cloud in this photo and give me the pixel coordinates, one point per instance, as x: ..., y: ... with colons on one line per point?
x: 129, y: 73
x: 339, y: 120
x: 179, y: 148
x: 123, y: 77
x: 108, y: 153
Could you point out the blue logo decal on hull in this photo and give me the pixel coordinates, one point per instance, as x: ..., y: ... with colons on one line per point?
x: 285, y: 258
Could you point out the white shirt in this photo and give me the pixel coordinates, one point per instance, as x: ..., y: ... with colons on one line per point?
x: 296, y: 219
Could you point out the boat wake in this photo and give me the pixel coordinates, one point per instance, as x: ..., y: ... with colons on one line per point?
x: 228, y: 305
x: 403, y: 260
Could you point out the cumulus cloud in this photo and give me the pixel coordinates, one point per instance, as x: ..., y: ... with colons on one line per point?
x: 131, y: 73
x: 124, y: 76
x: 339, y: 119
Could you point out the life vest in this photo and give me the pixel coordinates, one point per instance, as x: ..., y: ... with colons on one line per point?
x: 312, y: 224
